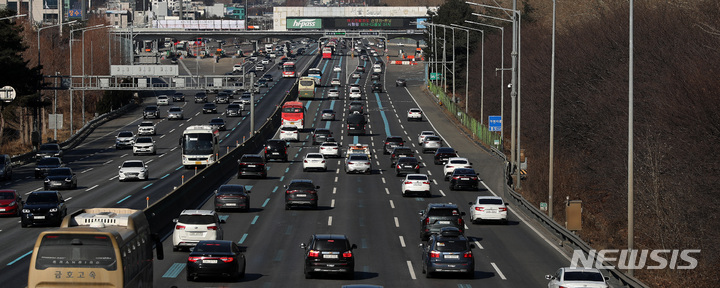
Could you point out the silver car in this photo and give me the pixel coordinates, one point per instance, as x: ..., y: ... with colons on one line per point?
x: 333, y: 93
x: 175, y: 113
x: 358, y: 163
x: 144, y: 145
x: 424, y: 134
x: 328, y: 114
x: 431, y: 143
x: 133, y: 169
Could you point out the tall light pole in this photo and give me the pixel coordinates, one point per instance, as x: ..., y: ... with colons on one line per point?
x: 38, y: 53
x: 72, y: 32
x: 502, y: 73
x: 482, y: 68
x: 99, y: 26
x: 630, y: 141
x: 552, y: 118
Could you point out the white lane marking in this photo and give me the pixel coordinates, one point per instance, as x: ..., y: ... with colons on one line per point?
x: 68, y: 199
x: 420, y: 157
x: 336, y: 179
x: 107, y: 162
x: 402, y: 241
x: 383, y: 178
x: 38, y: 189
x: 392, y: 204
x: 442, y: 193
x: 161, y: 155
x: 171, y: 130
x: 87, y: 170
x: 332, y: 203
x: 329, y: 220
x: 412, y: 271
x: 163, y: 136
x: 435, y: 182
x: 173, y: 149
x: 377, y: 162
x: 148, y: 162
x: 429, y: 173
x: 502, y: 276
x: 91, y: 188
x: 113, y: 178
x: 397, y: 222
x: 387, y: 191
x: 478, y: 244
x: 337, y: 171
x: 334, y: 190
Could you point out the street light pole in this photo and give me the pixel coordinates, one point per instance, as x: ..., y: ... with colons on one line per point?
x: 630, y: 192
x: 552, y: 118
x: 482, y: 68
x: 99, y: 26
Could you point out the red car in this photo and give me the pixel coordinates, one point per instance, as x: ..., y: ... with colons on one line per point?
x: 10, y: 203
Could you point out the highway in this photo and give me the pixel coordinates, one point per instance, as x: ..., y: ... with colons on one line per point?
x: 369, y: 209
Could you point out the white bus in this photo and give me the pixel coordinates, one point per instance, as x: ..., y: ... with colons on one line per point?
x: 200, y: 146
x: 315, y: 73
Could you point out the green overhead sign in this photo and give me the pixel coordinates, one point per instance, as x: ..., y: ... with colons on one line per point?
x: 304, y: 23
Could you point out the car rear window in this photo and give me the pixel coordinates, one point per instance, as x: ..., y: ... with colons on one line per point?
x: 583, y: 276
x: 196, y: 219
x: 133, y: 164
x: 491, y: 201
x: 251, y: 159
x: 331, y: 245
x: 358, y: 158
x: 301, y: 186
x: 49, y: 161
x: 444, y: 212
x: 407, y: 160
x: 432, y: 138
x: 458, y: 162
x: 451, y: 246
x: 417, y: 177
x: 212, y: 247
x: 315, y: 156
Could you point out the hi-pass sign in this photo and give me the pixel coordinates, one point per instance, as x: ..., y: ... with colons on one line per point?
x: 353, y: 23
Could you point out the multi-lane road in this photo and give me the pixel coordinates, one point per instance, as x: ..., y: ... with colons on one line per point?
x: 369, y: 209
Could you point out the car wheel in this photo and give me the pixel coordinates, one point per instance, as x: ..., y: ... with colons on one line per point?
x: 135, y: 154
x: 287, y: 207
x: 446, y: 178
x: 74, y: 186
x: 175, y: 249
x: 308, y: 275
x: 190, y: 278
x: 452, y: 187
x: 23, y: 224
x: 304, y: 169
x: 46, y: 187
x: 428, y: 275
x: 368, y: 172
x: 242, y: 273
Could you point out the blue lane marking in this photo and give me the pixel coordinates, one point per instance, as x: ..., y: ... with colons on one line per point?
x: 18, y: 259
x: 146, y: 186
x: 248, y: 187
x: 281, y: 178
x: 275, y: 189
x: 174, y: 270
x: 266, y: 202
x: 220, y: 141
x: 361, y: 221
x: 288, y: 231
x: 363, y: 243
x: 299, y: 150
x: 279, y: 255
x: 121, y: 200
x: 287, y: 169
x: 179, y: 168
x: 243, y: 238
x: 355, y: 139
x: 382, y: 113
x: 226, y: 135
x: 254, y: 220
x: 223, y: 217
x: 166, y: 175
x: 419, y: 199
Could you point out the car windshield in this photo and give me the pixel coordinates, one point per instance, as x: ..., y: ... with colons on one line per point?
x: 132, y: 164
x: 198, y: 143
x: 327, y: 111
x: 147, y: 124
x: 584, y: 276
x: 444, y: 212
x: 329, y: 144
x: 451, y: 246
x: 289, y: 128
x: 490, y: 201
x: 209, y: 105
x: 49, y: 161
x: 234, y: 106
x: 59, y: 172
x: 125, y: 134
x: 331, y: 245
x: 301, y: 186
x: 143, y: 140
x: 42, y: 198
x: 417, y: 177
x: 150, y: 108
x: 217, y: 121
x: 7, y: 195
x: 358, y: 158
x: 175, y: 110
x: 196, y: 219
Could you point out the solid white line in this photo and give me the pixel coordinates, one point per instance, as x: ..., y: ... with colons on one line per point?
x: 410, y: 268
x: 402, y: 241
x: 330, y: 221
x: 93, y: 187
x: 392, y: 204
x: 498, y: 271
x: 397, y: 222
x: 332, y: 203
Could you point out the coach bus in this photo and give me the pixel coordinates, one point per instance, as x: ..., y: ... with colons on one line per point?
x: 96, y: 247
x: 293, y: 114
x: 288, y: 69
x: 200, y: 146
x: 315, y: 73
x: 306, y: 88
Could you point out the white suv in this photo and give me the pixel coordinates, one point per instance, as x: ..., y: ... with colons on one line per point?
x: 146, y: 128
x: 488, y: 208
x: 289, y: 133
x: 416, y: 184
x: 194, y: 226
x: 144, y: 145
x: 454, y: 163
x: 162, y: 100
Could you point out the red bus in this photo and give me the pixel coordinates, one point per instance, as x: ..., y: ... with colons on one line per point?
x: 293, y: 114
x: 327, y: 52
x: 288, y: 70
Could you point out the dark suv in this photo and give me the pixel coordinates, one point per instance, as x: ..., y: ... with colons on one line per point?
x: 43, y: 207
x: 301, y: 192
x: 442, y: 155
x: 151, y: 111
x: 399, y: 152
x: 439, y: 215
x: 46, y: 164
x: 356, y: 106
x: 276, y: 149
x: 49, y: 150
x: 377, y: 87
x: 6, y: 167
x: 448, y: 251
x: 391, y: 142
x: 329, y: 253
x: 320, y: 135
x: 251, y: 165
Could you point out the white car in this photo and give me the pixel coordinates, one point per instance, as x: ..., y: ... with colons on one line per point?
x: 194, y: 226
x: 144, y: 145
x: 453, y: 163
x: 356, y: 75
x: 414, y: 114
x: 163, y: 100
x: 358, y: 163
x: 175, y: 113
x: 237, y: 67
x: 124, y: 139
x: 488, y: 208
x: 337, y: 69
x: 314, y: 161
x: 146, y: 128
x: 416, y: 184
x: 289, y: 133
x: 272, y: 55
x: 424, y: 134
x: 355, y: 93
x: 333, y: 93
x: 133, y: 169
x: 577, y: 277
x: 260, y: 67
x: 265, y: 61
x: 330, y: 149
x: 335, y: 82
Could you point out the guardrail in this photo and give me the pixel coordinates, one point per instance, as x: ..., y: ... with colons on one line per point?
x: 549, y: 224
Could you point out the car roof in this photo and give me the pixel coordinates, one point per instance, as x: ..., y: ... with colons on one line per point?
x: 330, y: 237
x: 197, y: 212
x: 132, y: 161
x: 442, y: 205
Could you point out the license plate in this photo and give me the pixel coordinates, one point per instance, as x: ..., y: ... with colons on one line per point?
x: 330, y: 256
x: 251, y: 166
x: 444, y: 222
x: 210, y: 261
x: 195, y: 233
x: 198, y: 162
x: 491, y: 211
x: 231, y: 204
x: 276, y: 153
x: 301, y: 195
x: 401, y: 156
x: 39, y: 217
x: 464, y: 178
x: 452, y: 256
x: 417, y: 184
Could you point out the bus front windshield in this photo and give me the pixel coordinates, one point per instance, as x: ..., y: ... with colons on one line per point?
x: 197, y: 144
x: 306, y: 83
x: 292, y: 110
x: 76, y: 250
x: 289, y: 68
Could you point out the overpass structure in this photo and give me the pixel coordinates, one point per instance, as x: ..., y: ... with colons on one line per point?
x: 139, y: 34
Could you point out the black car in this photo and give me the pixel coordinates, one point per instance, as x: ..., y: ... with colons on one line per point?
x: 356, y: 124
x: 262, y: 82
x: 439, y: 215
x: 356, y: 106
x: 222, y: 98
x: 60, y: 178
x: 301, y: 192
x: 232, y: 196
x: 448, y: 252
x: 377, y: 87
x: 151, y: 111
x: 329, y: 253
x: 251, y: 165
x: 234, y: 110
x: 178, y: 97
x: 276, y: 149
x: 391, y: 142
x: 407, y: 165
x: 44, y: 208
x: 217, y: 123
x: 209, y: 108
x: 442, y: 155
x: 399, y: 152
x: 400, y: 82
x: 45, y: 165
x: 201, y: 97
x: 320, y: 135
x: 268, y: 77
x: 49, y: 150
x: 464, y: 178
x: 360, y: 69
x: 216, y: 258
x: 375, y: 76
